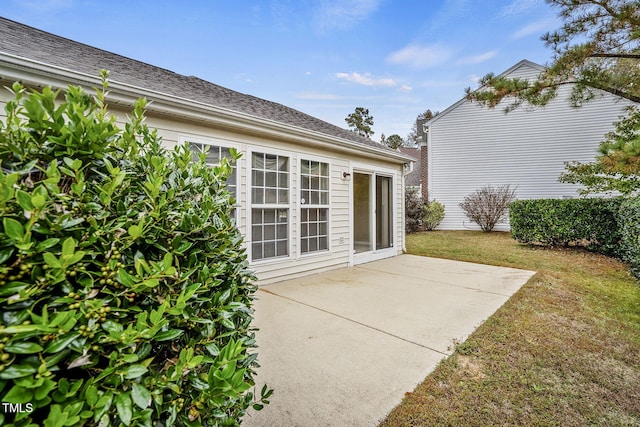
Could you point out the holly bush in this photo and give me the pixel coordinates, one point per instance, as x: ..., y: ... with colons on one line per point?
x: 125, y: 297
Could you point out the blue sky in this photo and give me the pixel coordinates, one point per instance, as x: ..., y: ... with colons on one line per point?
x: 324, y: 57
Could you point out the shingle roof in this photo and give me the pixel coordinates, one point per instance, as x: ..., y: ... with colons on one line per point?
x: 30, y: 43
x: 413, y: 177
x: 411, y: 151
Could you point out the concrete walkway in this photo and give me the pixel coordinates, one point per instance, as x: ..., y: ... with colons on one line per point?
x: 342, y: 348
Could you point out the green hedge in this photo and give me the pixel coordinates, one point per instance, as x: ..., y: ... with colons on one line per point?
x: 629, y: 225
x: 590, y: 222
x: 125, y: 297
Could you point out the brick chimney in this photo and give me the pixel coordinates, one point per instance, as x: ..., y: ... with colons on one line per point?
x: 424, y: 169
x: 423, y: 138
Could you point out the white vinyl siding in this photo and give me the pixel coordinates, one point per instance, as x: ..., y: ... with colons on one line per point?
x: 471, y: 146
x: 176, y: 130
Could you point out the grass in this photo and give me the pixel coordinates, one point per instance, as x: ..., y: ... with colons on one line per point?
x: 564, y: 350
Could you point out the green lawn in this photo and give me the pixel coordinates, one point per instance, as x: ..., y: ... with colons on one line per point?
x: 564, y: 350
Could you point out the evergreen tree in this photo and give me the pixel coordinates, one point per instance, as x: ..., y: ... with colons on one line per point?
x: 361, y: 122
x: 394, y: 141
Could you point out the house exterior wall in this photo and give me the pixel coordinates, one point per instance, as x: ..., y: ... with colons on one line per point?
x: 471, y: 146
x: 340, y: 252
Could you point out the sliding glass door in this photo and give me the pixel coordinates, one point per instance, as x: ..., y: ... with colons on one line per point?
x: 384, y: 212
x: 362, y: 208
x: 372, y: 212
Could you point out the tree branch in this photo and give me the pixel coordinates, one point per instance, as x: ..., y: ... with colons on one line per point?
x: 616, y: 92
x: 615, y: 55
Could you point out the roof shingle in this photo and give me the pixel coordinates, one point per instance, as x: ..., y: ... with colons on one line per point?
x: 30, y: 43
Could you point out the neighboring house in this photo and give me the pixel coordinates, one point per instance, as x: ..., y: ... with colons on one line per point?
x: 470, y: 146
x: 310, y: 196
x: 412, y: 177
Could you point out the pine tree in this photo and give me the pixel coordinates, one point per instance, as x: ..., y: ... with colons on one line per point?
x: 361, y: 122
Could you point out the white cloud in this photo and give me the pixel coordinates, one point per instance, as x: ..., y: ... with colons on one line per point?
x: 244, y: 77
x: 477, y: 59
x: 448, y: 11
x: 405, y: 88
x: 366, y: 79
x: 421, y: 56
x: 520, y: 7
x: 537, y: 28
x: 343, y: 14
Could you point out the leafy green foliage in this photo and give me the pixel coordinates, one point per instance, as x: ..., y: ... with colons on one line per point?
x: 433, y: 214
x: 413, y: 209
x: 629, y: 225
x: 488, y: 206
x: 591, y: 223
x: 125, y: 297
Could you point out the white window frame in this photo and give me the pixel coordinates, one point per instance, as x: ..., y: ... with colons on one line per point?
x: 219, y: 143
x: 307, y: 205
x: 252, y: 204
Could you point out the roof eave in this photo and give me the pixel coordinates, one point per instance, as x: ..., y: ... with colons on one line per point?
x: 38, y: 74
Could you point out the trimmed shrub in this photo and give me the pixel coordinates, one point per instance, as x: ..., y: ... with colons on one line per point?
x: 629, y: 225
x: 125, y: 297
x: 488, y: 206
x: 591, y: 223
x: 433, y: 214
x: 413, y: 209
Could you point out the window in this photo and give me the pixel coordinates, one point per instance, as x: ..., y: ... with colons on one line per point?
x: 214, y: 155
x: 314, y: 202
x: 269, y: 206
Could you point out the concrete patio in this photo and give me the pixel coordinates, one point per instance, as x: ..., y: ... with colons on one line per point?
x: 343, y: 347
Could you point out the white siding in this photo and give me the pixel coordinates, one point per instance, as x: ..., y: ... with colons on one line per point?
x: 296, y: 265
x: 471, y: 146
x: 339, y: 254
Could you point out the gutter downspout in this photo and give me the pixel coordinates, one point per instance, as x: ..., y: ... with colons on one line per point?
x: 424, y: 164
